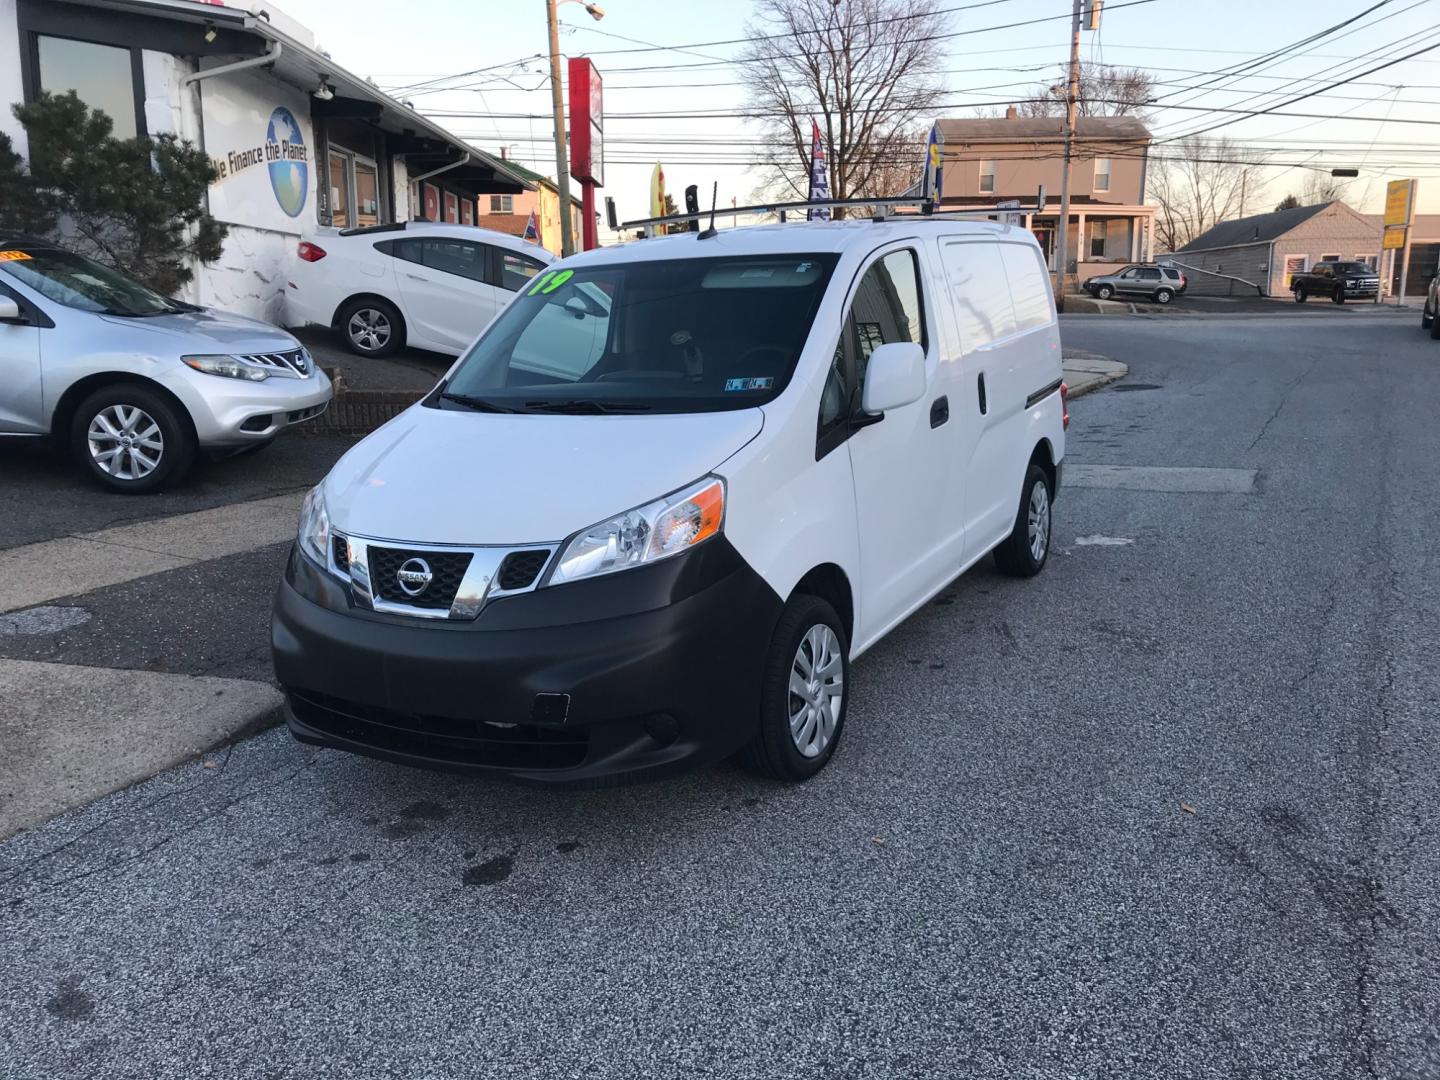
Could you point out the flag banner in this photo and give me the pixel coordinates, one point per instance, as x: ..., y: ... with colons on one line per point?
x: 931, y: 186
x: 819, y: 180
x: 532, y: 229
x: 657, y: 191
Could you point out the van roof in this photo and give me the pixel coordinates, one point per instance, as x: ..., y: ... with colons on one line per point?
x: 811, y: 237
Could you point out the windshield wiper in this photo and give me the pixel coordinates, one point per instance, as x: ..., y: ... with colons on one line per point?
x: 586, y: 407
x: 479, y: 404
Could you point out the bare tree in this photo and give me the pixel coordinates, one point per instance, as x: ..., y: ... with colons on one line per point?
x: 867, y: 71
x: 1104, y: 91
x: 1198, y: 183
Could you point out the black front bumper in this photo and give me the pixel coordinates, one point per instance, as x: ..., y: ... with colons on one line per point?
x: 625, y: 677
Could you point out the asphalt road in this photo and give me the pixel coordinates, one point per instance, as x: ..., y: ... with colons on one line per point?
x: 1162, y: 812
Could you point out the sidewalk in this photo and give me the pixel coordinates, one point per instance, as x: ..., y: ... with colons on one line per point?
x: 1085, y: 372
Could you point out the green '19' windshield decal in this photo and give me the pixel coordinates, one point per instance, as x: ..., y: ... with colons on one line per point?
x: 550, y: 281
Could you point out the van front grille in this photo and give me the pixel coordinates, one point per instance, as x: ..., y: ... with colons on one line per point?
x: 521, y: 568
x: 447, y: 570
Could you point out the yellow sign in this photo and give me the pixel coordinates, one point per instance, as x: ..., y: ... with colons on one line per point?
x: 13, y: 256
x: 1394, y: 238
x: 657, y: 191
x: 1397, y: 202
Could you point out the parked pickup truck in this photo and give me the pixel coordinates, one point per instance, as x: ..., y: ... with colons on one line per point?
x: 1340, y: 281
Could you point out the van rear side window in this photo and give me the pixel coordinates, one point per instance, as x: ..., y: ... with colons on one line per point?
x: 981, y: 292
x: 1029, y: 289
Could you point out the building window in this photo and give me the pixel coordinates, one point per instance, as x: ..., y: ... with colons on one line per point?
x: 102, y: 76
x: 987, y: 177
x: 1330, y: 258
x: 1368, y: 260
x: 502, y: 204
x: 452, y: 208
x: 354, y: 190
x: 1099, y: 231
x: 1102, y: 174
x: 1295, y: 264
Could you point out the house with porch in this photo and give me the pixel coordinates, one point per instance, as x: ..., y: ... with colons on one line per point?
x: 988, y: 162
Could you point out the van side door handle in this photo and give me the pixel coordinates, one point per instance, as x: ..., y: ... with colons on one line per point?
x: 939, y: 411
x: 980, y: 390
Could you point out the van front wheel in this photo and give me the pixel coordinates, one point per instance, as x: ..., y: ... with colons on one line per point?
x: 803, y: 698
x: 1024, y: 551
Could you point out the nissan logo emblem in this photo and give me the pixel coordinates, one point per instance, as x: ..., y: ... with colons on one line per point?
x: 414, y: 576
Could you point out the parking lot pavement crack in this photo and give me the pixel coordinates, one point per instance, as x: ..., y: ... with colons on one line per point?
x: 1284, y: 397
x: 116, y: 866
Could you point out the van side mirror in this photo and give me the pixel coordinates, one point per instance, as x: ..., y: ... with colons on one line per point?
x: 9, y: 310
x: 895, y: 376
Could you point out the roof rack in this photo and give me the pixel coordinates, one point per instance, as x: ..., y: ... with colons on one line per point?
x: 925, y: 206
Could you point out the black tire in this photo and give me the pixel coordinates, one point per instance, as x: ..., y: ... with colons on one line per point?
x: 1426, y: 319
x: 774, y: 751
x: 1016, y: 554
x: 1338, y: 296
x: 1104, y: 292
x: 1164, y: 296
x: 128, y: 464
x: 1435, y: 327
x: 1300, y: 294
x: 371, y: 327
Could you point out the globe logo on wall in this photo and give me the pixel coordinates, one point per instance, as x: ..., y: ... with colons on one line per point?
x: 289, y: 175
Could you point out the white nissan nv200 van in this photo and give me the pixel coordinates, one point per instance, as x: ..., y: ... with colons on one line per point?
x: 651, y: 516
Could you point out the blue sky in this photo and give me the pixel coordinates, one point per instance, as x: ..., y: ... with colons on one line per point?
x: 1176, y: 39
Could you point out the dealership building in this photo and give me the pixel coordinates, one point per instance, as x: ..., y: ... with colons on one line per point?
x: 297, y: 140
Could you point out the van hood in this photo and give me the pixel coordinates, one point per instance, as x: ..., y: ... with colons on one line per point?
x: 207, y: 329
x: 441, y: 476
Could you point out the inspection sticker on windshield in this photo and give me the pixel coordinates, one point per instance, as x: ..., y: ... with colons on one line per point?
x: 749, y: 384
x: 13, y: 256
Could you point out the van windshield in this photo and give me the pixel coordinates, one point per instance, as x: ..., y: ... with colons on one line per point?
x: 682, y: 335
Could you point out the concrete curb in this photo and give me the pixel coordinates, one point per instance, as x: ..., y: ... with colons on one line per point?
x: 79, y: 733
x: 1086, y: 373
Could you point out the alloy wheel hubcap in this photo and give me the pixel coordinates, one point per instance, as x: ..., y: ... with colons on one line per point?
x: 125, y: 442
x: 1038, y: 521
x: 369, y: 329
x: 817, y: 690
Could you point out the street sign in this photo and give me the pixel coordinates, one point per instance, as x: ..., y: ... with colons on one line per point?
x: 1394, y: 239
x: 1012, y: 207
x: 1398, y: 202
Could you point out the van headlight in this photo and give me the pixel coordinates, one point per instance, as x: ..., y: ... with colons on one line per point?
x: 226, y: 366
x: 314, y: 537
x: 646, y: 534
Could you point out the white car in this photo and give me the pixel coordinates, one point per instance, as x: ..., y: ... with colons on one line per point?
x: 431, y: 286
x: 655, y: 511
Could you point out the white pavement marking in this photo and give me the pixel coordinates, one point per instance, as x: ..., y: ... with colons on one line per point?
x: 1102, y: 541
x: 1155, y: 478
x: 38, y: 573
x: 72, y: 734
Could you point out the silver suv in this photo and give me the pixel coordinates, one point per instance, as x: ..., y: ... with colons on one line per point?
x: 132, y: 383
x: 1159, y: 283
x: 1430, y: 317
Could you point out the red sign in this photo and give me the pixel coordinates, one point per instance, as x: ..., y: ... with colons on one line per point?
x: 430, y: 202
x: 452, y: 208
x: 467, y: 213
x: 587, y: 123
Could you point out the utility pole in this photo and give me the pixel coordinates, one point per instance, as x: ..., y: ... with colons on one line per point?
x: 557, y: 102
x: 1072, y: 94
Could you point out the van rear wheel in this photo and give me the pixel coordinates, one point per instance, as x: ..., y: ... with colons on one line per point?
x: 803, y: 696
x: 1024, y: 551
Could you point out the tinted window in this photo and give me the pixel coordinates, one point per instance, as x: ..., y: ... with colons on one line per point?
x: 77, y: 282
x: 407, y: 249
x: 1129, y: 275
x: 1171, y: 273
x: 1352, y: 267
x: 1029, y: 289
x: 459, y: 257
x: 1149, y: 273
x: 683, y: 335
x: 100, y: 75
x: 980, y: 292
x: 517, y: 270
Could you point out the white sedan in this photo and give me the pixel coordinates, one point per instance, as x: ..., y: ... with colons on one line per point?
x: 430, y: 285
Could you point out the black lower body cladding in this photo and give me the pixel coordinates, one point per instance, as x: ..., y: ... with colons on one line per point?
x: 624, y: 677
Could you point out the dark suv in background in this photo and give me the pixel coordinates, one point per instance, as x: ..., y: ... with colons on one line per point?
x: 1340, y: 281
